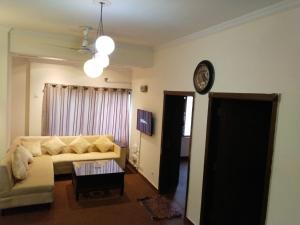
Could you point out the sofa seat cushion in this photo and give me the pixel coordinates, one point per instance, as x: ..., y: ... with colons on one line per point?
x: 70, y: 157
x: 40, y: 177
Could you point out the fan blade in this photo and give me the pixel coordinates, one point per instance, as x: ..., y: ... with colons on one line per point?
x: 61, y: 46
x: 85, y: 50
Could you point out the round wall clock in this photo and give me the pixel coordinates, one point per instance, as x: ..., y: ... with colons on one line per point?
x: 204, y: 77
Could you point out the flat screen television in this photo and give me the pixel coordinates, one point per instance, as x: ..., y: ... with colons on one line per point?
x: 144, y: 122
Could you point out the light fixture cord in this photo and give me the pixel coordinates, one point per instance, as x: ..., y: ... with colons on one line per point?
x: 100, y: 30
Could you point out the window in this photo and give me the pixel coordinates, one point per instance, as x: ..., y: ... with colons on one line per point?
x: 78, y: 110
x: 188, y: 116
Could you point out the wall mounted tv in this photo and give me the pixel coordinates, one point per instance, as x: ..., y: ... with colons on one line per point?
x: 144, y: 122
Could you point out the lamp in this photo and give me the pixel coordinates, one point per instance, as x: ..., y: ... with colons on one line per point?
x: 103, y: 59
x: 104, y: 46
x: 92, y: 68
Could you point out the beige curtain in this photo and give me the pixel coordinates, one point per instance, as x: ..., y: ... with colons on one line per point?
x: 78, y: 110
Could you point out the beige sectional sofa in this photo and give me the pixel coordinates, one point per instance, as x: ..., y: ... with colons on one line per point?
x: 38, y: 187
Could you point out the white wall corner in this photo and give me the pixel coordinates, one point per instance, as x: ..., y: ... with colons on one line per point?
x: 260, y: 13
x: 4, y: 88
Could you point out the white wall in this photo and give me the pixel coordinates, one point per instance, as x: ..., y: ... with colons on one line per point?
x: 261, y: 56
x: 18, y: 97
x: 41, y: 73
x: 4, y: 95
x: 150, y: 101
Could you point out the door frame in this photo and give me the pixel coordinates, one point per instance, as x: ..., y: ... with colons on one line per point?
x: 273, y: 98
x: 184, y: 94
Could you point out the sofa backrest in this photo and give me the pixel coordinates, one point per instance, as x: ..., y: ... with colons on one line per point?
x: 6, y: 176
x: 91, y: 139
x: 66, y: 139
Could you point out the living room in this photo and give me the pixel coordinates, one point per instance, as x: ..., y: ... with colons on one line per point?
x: 253, y: 51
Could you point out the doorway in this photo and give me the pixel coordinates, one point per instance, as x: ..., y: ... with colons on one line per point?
x: 175, y: 146
x: 238, y: 156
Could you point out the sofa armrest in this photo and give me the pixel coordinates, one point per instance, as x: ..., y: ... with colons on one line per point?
x: 117, y: 150
x: 6, y: 176
x: 121, y: 154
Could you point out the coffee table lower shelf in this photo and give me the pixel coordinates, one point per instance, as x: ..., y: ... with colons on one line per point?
x: 97, y: 182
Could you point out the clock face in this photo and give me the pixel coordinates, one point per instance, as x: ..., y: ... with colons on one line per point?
x: 203, y: 77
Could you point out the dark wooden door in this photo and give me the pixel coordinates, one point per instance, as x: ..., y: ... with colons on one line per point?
x: 173, y: 120
x: 237, y: 164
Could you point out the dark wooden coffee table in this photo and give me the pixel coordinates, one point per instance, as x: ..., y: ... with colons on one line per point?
x: 97, y: 175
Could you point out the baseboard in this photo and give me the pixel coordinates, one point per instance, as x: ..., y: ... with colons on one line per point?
x: 132, y: 166
x: 188, y: 221
x: 143, y: 177
x: 148, y: 182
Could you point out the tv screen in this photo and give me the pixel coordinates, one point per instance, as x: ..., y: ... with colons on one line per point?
x: 144, y: 122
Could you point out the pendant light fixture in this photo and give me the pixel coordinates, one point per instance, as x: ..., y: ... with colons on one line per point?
x: 104, y: 46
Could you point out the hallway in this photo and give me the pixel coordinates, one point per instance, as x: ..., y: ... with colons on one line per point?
x: 180, y: 193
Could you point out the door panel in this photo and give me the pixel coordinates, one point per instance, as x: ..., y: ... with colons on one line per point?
x: 174, y: 107
x: 236, y: 162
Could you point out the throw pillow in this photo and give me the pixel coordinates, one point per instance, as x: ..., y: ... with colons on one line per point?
x: 54, y: 146
x: 67, y: 149
x: 104, y: 144
x: 26, y: 154
x: 79, y: 145
x: 19, y: 163
x: 33, y: 147
x: 93, y: 148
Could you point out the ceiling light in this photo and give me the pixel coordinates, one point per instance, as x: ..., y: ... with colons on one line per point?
x: 104, y: 46
x: 102, y: 59
x: 92, y: 68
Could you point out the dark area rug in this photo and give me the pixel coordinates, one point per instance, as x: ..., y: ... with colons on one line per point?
x: 160, y: 207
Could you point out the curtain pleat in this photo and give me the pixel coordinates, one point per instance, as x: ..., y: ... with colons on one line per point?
x: 76, y: 110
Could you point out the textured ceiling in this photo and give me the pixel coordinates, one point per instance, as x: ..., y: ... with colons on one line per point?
x: 135, y: 21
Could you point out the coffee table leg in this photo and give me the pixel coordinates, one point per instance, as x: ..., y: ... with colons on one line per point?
x: 77, y: 195
x: 122, y: 186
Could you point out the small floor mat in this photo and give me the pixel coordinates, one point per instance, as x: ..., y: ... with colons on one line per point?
x: 160, y: 207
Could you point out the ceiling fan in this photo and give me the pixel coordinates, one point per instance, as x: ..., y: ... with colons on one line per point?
x: 86, y: 47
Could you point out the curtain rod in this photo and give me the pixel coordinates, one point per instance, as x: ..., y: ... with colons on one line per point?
x: 87, y: 87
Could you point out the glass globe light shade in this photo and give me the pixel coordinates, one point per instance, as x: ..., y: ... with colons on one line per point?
x: 102, y: 59
x: 92, y: 68
x: 105, y: 44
